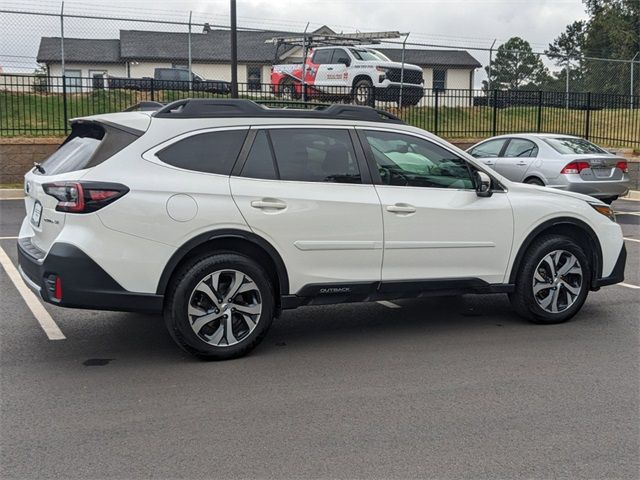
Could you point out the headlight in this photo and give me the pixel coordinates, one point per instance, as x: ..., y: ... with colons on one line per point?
x: 604, y: 210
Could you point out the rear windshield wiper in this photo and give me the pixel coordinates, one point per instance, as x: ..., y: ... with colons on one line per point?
x: 39, y: 167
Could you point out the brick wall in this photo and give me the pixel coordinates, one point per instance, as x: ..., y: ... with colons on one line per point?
x: 18, y: 154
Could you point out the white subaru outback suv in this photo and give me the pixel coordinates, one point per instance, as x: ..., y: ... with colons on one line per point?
x: 222, y: 213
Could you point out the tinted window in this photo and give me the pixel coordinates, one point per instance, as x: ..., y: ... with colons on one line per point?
x: 259, y: 163
x: 411, y: 161
x: 519, y: 147
x: 315, y: 155
x: 322, y: 56
x: 76, y: 152
x: 570, y: 146
x: 340, y: 56
x: 488, y: 149
x: 212, y: 152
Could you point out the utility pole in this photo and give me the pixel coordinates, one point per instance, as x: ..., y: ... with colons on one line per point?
x: 234, y: 51
x: 190, y: 69
x: 489, y: 72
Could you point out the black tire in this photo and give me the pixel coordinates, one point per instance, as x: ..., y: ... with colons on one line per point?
x: 523, y: 300
x: 181, y: 290
x: 288, y: 90
x: 362, y: 92
x: 534, y: 181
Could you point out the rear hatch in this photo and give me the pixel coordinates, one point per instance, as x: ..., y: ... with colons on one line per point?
x: 89, y: 144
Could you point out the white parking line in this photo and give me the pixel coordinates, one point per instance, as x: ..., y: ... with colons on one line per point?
x: 8, y: 238
x: 44, y: 319
x: 632, y: 239
x: 628, y: 285
x: 627, y: 213
x: 388, y: 304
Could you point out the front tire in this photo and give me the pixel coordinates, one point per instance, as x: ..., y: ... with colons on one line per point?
x: 553, y: 281
x: 362, y: 93
x: 219, y: 307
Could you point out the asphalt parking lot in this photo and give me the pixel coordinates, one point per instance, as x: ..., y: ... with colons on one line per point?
x: 455, y: 387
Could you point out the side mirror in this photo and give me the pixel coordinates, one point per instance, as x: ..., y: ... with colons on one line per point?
x: 483, y: 184
x: 344, y: 61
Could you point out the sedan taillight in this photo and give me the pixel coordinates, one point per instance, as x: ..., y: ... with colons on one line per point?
x: 575, y: 167
x: 623, y: 165
x: 84, y: 197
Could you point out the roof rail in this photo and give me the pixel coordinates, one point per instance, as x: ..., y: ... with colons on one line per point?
x: 144, y: 106
x: 217, y: 108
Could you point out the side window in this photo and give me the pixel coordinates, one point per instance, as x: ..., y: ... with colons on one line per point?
x: 260, y: 162
x: 410, y: 161
x: 315, y: 155
x: 322, y: 56
x: 340, y: 56
x: 519, y: 147
x: 211, y: 152
x: 439, y: 78
x: 490, y: 149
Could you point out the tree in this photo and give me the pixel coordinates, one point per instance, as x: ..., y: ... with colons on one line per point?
x: 515, y: 67
x: 566, y: 52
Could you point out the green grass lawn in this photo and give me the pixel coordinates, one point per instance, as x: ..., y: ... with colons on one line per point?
x: 31, y: 114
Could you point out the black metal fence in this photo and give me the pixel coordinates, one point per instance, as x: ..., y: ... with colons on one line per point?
x: 42, y: 106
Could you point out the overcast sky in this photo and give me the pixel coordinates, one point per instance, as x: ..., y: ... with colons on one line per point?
x: 454, y: 22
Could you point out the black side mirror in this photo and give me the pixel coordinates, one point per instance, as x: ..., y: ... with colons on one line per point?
x: 483, y: 184
x: 344, y: 61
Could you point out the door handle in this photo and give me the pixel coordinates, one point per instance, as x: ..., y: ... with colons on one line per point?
x: 401, y: 208
x: 273, y: 204
x: 329, y: 68
x: 521, y: 163
x: 489, y: 162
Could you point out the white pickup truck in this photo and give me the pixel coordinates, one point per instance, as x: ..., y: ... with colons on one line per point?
x: 363, y: 75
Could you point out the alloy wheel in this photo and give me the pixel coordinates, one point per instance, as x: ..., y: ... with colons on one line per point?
x: 224, y: 308
x: 557, y: 281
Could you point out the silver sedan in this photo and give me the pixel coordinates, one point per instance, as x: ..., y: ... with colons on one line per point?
x: 559, y: 161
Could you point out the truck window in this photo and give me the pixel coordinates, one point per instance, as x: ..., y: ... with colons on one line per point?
x: 322, y: 56
x: 340, y: 56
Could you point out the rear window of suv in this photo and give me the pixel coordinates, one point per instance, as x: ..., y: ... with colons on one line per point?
x: 570, y: 146
x: 88, y: 145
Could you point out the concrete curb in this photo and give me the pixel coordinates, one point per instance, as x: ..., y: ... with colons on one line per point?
x: 11, y: 194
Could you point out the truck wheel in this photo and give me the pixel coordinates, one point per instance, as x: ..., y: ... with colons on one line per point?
x: 219, y: 307
x: 288, y: 90
x: 362, y: 92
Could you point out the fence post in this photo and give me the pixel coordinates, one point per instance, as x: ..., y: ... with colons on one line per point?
x: 152, y: 83
x: 587, y: 119
x: 435, y: 114
x: 539, y: 128
x: 65, y: 113
x: 495, y: 113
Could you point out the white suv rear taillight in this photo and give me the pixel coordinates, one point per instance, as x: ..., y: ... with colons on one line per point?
x: 84, y: 197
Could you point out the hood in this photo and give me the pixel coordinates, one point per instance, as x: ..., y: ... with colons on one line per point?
x: 407, y: 66
x: 552, y: 191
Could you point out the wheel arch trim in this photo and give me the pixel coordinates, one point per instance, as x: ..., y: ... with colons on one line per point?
x: 596, y: 272
x: 229, y: 233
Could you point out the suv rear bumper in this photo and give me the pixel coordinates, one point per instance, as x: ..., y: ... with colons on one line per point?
x: 84, y: 283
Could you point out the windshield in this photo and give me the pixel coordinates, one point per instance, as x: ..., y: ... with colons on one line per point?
x: 569, y: 146
x: 368, y: 55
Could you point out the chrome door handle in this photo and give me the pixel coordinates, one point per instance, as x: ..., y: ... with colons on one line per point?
x: 268, y: 204
x: 521, y: 163
x: 399, y: 208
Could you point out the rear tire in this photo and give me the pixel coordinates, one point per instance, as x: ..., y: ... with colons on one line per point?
x: 288, y: 90
x: 553, y: 281
x: 534, y: 181
x: 219, y: 307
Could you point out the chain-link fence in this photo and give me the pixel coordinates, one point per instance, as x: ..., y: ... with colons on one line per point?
x: 56, y: 66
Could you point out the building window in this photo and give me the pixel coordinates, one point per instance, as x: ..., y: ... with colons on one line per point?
x: 439, y: 78
x: 254, y: 77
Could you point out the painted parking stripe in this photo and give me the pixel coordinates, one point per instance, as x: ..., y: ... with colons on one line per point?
x: 628, y: 213
x: 632, y: 239
x: 628, y: 285
x: 44, y: 319
x: 8, y: 238
x: 389, y: 304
